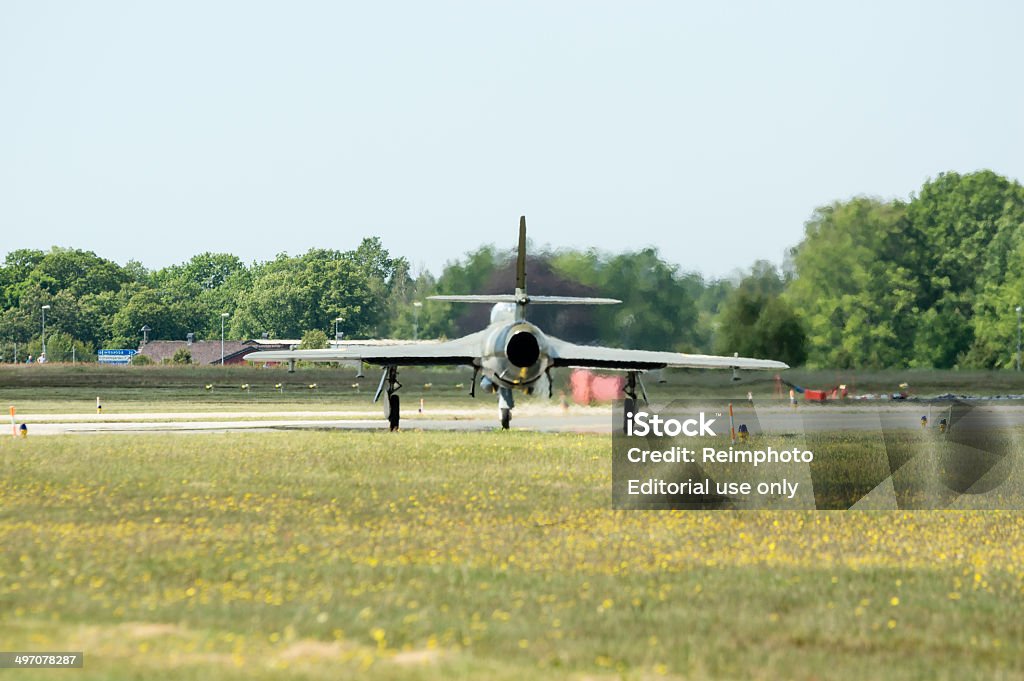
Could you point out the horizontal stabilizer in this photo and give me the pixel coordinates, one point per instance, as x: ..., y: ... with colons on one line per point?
x: 572, y: 300
x: 496, y: 298
x: 536, y: 300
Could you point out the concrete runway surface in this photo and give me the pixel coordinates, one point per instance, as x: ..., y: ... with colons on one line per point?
x: 540, y: 418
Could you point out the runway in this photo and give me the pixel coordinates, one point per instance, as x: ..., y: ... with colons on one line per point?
x: 538, y: 418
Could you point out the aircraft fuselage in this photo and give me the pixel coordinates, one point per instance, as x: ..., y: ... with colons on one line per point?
x: 515, y: 354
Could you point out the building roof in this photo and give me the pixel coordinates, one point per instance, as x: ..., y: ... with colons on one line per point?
x: 203, y: 352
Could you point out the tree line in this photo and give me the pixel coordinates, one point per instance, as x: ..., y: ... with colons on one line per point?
x: 930, y: 281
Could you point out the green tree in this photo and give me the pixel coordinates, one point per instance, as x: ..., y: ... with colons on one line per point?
x: 973, y: 226
x: 757, y: 322
x: 77, y: 272
x: 60, y: 347
x: 182, y: 356
x: 291, y: 294
x: 857, y: 299
x: 314, y: 339
x: 170, y: 313
x: 657, y: 312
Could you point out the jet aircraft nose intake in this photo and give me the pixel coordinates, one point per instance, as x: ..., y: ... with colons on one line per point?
x: 522, y: 349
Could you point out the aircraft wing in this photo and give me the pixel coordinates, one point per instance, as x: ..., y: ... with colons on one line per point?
x: 465, y: 350
x: 565, y: 354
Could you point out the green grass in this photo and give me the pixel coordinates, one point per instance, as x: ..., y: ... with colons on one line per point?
x: 486, y: 555
x: 74, y: 389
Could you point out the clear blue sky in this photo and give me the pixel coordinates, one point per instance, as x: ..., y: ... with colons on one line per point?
x: 156, y: 131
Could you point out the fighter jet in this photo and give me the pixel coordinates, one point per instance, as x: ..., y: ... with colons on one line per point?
x: 511, y: 354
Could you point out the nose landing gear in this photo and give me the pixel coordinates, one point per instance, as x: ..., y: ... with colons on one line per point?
x: 505, y: 404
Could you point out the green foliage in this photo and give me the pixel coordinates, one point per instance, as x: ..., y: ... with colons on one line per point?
x: 182, y: 356
x: 757, y: 322
x: 171, y: 313
x: 932, y: 281
x: 60, y: 347
x: 313, y: 340
x: 659, y: 308
x: 291, y: 294
x: 856, y: 303
x: 928, y: 283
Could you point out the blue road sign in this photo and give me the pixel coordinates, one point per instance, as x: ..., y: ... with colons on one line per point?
x: 115, y: 356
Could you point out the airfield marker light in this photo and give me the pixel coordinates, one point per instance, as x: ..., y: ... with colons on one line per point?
x: 99, y: 407
x: 14, y: 426
x: 421, y: 405
x: 924, y: 421
x: 732, y: 426
x: 24, y: 430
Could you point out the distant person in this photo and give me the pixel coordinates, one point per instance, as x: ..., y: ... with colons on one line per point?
x: 42, y: 359
x: 29, y: 360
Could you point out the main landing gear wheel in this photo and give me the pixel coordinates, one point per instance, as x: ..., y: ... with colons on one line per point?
x: 389, y: 383
x: 394, y: 408
x: 630, y: 401
x: 628, y: 407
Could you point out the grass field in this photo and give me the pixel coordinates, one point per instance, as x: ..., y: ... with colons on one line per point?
x: 486, y: 555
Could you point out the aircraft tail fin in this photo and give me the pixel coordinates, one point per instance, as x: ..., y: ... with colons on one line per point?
x: 521, y: 259
x: 520, y: 298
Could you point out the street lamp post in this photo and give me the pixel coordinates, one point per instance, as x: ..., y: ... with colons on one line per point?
x: 1019, y: 308
x: 416, y: 319
x: 45, y: 308
x: 223, y: 316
